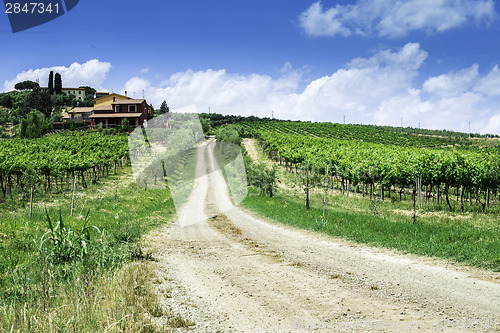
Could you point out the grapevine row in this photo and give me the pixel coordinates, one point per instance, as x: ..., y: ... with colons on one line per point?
x: 58, y: 159
x: 363, y: 133
x: 356, y: 162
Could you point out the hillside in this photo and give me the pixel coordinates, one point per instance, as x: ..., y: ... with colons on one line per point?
x: 409, y: 136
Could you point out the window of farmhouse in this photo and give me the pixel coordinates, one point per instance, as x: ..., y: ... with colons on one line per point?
x: 131, y: 108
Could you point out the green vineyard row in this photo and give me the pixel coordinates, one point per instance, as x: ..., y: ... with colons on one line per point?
x: 365, y: 133
x: 388, y: 165
x: 25, y: 162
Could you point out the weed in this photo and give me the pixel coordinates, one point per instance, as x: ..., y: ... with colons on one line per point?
x: 136, y: 253
x: 179, y: 322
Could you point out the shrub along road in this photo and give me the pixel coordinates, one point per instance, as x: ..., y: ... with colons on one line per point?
x: 241, y: 273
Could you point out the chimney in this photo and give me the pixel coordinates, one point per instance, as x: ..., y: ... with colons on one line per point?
x: 125, y: 93
x: 114, y: 98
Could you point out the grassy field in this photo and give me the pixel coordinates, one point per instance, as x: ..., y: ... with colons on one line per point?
x: 472, y: 238
x: 451, y: 237
x: 86, y: 272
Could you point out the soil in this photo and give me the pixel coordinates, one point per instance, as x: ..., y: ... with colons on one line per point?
x: 227, y: 270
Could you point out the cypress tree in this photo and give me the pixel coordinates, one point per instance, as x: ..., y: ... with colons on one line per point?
x: 51, y: 82
x: 58, y: 83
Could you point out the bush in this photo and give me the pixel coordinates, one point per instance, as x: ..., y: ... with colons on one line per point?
x: 230, y: 133
x: 34, y: 126
x: 125, y: 125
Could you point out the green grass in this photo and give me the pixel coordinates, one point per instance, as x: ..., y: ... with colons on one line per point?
x: 79, y: 275
x: 460, y: 242
x: 182, y: 180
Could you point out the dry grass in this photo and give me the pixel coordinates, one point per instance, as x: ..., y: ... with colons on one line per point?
x: 127, y: 302
x: 72, y: 297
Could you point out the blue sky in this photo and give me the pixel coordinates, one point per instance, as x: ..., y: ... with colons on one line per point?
x: 431, y: 62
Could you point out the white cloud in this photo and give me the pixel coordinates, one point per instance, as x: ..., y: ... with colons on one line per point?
x: 358, y: 90
x: 223, y: 92
x: 490, y: 84
x: 452, y: 84
x: 355, y: 91
x: 451, y: 113
x: 317, y: 22
x: 91, y: 73
x: 377, y: 90
x: 393, y: 18
x: 492, y: 126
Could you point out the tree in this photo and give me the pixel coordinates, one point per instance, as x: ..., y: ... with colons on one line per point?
x: 51, y: 82
x: 4, y: 116
x: 56, y: 116
x: 39, y: 100
x: 34, y: 125
x: 26, y: 85
x: 205, y: 124
x: 164, y: 108
x: 6, y: 100
x: 57, y: 100
x: 125, y: 124
x: 89, y: 91
x: 229, y: 133
x: 58, y: 83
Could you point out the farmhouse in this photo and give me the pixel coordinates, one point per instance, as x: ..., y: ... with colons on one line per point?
x: 77, y: 114
x: 78, y: 93
x: 109, y: 110
x: 107, y: 99
x: 113, y: 114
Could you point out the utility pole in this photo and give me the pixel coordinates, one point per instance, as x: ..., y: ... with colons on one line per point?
x: 143, y: 94
x: 272, y: 114
x: 344, y: 119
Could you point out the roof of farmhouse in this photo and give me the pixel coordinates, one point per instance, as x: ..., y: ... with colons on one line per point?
x: 129, y: 101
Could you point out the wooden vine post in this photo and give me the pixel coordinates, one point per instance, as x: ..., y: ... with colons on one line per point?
x: 326, y: 186
x: 73, y: 197
x: 307, y: 188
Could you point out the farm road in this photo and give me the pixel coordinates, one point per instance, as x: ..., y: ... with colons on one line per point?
x: 232, y: 272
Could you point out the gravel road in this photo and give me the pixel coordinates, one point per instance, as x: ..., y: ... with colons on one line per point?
x: 230, y: 271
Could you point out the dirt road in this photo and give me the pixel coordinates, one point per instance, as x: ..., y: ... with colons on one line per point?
x: 231, y: 272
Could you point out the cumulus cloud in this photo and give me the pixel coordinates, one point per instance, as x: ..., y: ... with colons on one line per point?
x: 452, y: 84
x: 223, y: 92
x: 492, y: 125
x: 490, y: 84
x: 380, y: 89
x: 393, y: 18
x: 354, y: 91
x: 357, y: 90
x: 91, y: 73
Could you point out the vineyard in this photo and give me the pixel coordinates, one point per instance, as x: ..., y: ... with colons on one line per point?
x: 367, y: 160
x: 365, y: 133
x: 55, y: 161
